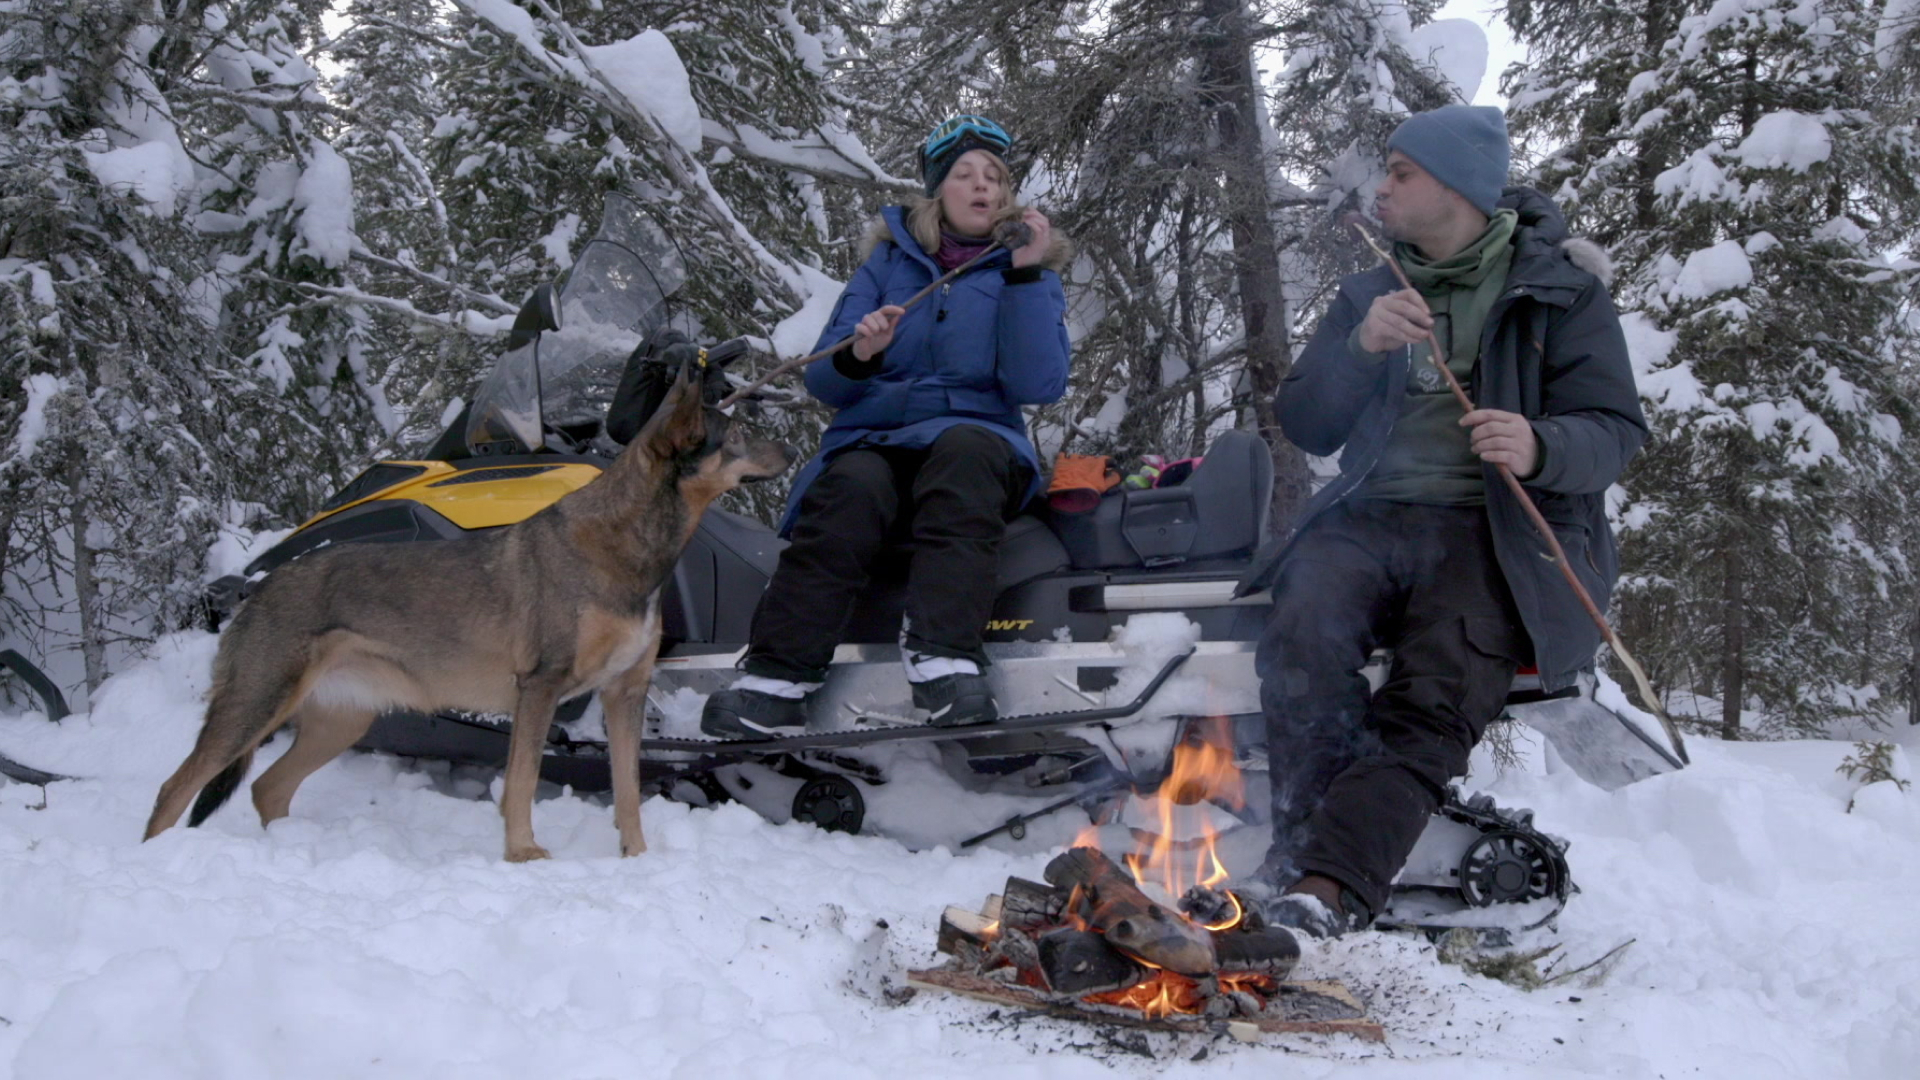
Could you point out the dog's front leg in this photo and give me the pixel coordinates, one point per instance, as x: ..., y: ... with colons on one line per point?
x: 532, y: 716
x: 624, y: 701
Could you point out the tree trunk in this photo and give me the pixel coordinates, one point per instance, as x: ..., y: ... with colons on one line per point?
x: 1733, y: 642
x: 1229, y: 78
x: 1913, y: 665
x: 1661, y: 20
x: 86, y: 585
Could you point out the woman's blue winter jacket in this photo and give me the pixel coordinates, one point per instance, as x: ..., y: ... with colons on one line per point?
x: 981, y: 346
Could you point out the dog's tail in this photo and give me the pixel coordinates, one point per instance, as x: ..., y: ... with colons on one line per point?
x: 219, y: 790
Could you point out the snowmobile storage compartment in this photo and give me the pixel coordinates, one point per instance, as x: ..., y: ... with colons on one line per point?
x: 1160, y: 525
x: 1221, y: 510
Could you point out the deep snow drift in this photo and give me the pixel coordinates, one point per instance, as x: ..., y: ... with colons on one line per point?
x: 377, y: 933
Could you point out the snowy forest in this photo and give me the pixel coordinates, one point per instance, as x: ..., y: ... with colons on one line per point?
x: 249, y: 246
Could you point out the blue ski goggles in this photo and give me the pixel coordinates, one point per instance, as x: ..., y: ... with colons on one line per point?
x: 957, y: 136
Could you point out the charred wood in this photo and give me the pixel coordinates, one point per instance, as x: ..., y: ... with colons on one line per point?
x: 1031, y: 904
x: 1272, y: 951
x: 1082, y: 962
x: 1111, y: 903
x: 1016, y: 947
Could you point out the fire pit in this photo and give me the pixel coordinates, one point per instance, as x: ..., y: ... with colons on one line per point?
x: 1109, y: 943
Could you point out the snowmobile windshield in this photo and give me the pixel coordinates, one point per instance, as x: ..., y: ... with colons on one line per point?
x: 614, y: 297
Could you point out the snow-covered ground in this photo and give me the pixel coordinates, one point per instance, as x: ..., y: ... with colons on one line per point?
x: 377, y: 933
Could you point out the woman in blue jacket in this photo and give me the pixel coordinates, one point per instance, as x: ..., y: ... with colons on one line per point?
x: 927, y: 432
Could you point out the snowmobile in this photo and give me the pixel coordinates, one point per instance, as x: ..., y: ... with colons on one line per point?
x: 1114, y: 631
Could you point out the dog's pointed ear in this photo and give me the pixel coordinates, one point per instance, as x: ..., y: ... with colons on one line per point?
x: 680, y: 424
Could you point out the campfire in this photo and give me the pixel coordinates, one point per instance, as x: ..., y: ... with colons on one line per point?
x: 1155, y: 939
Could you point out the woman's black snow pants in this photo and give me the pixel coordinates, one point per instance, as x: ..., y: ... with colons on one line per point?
x: 952, y: 499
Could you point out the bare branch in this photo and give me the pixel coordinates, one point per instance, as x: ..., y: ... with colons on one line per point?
x: 473, y: 299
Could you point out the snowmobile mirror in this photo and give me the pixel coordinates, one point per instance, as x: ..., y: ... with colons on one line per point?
x: 540, y: 312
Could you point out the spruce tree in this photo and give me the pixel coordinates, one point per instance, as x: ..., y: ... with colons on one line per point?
x: 128, y: 420
x: 1731, y: 156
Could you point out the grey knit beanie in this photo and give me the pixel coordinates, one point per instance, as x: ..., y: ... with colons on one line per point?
x: 1463, y: 146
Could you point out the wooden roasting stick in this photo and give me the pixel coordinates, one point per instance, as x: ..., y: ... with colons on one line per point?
x: 1007, y: 236
x: 1439, y: 359
x: 1132, y: 923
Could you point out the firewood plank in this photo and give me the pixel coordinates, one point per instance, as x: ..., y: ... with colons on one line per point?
x: 1015, y: 996
x: 1030, y: 904
x: 959, y: 924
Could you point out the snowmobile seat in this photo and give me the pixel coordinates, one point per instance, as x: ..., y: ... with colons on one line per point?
x: 1029, y: 550
x: 1219, y: 512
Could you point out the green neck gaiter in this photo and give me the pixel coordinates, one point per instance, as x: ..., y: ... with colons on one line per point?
x: 1428, y: 459
x: 1464, y: 287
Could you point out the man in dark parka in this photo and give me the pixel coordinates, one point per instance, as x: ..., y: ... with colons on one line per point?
x: 1418, y: 546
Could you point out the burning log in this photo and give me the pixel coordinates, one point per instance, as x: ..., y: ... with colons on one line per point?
x: 1111, y: 903
x: 1092, y: 945
x: 961, y: 929
x: 1268, y: 951
x: 1030, y: 904
x: 1016, y: 948
x: 1301, y: 1008
x: 1082, y: 962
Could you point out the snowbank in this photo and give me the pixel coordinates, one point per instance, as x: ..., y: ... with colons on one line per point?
x: 797, y: 333
x: 377, y: 932
x: 32, y: 427
x: 323, y: 197
x: 158, y: 171
x: 1717, y: 269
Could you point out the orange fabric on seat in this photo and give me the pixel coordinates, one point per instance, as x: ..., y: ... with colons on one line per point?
x: 1079, y: 480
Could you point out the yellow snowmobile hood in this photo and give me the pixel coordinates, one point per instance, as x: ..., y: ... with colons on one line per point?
x: 476, y: 498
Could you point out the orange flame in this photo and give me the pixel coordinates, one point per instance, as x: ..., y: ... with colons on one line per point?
x: 1202, y: 772
x: 1089, y: 837
x: 1074, y: 918
x: 1164, y: 993
x: 1229, y: 922
x: 1161, y: 994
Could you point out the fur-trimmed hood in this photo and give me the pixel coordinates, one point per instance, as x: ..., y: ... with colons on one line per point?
x: 1588, y: 255
x: 1059, y: 249
x: 1543, y: 227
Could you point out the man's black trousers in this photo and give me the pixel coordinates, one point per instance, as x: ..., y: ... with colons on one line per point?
x: 1356, y: 774
x: 952, y: 501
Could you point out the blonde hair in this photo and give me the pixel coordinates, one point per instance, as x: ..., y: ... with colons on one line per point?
x: 925, y: 217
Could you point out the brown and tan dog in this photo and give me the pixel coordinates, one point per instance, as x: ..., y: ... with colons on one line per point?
x: 515, y: 620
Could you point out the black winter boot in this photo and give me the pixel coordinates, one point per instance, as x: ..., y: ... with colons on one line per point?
x: 751, y: 714
x: 1306, y: 912
x: 956, y: 700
